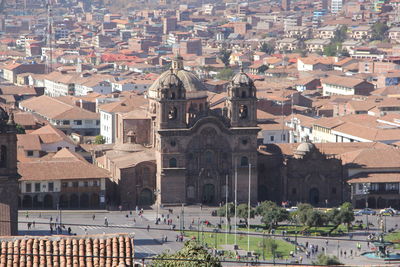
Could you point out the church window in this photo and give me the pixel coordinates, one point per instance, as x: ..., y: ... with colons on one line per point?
x: 244, y: 142
x: 244, y: 161
x: 173, y: 143
x: 173, y: 163
x: 294, y: 191
x: 333, y: 190
x: 172, y: 114
x: 243, y: 111
x: 243, y: 94
x: 3, y: 157
x: 190, y: 191
x: 173, y: 95
x: 209, y: 157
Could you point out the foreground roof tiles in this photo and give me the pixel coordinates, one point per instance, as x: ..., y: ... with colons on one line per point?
x: 66, y: 251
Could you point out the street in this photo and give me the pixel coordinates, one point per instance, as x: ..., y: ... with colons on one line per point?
x: 149, y: 242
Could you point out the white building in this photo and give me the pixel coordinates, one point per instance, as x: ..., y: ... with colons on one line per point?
x: 274, y: 133
x: 336, y: 6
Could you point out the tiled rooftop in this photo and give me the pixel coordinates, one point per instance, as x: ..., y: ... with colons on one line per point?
x: 66, y: 251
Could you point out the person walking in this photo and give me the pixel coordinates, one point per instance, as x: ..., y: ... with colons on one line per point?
x: 148, y: 228
x: 106, y: 221
x: 93, y: 217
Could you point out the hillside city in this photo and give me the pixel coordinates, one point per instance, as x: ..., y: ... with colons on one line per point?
x: 199, y: 133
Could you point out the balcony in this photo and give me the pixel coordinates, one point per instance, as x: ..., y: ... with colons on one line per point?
x: 383, y: 192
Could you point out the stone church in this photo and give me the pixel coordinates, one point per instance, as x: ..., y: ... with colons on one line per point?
x: 8, y: 176
x: 189, y: 153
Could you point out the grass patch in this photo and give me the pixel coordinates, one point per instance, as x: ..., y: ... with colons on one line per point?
x: 219, y: 239
x: 395, y: 238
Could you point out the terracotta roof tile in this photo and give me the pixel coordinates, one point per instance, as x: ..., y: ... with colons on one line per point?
x: 92, y: 250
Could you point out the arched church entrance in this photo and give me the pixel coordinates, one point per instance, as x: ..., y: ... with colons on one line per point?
x: 208, y: 194
x: 314, y: 196
x: 146, y: 197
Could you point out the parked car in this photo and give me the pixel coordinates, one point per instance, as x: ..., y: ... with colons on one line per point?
x: 365, y: 212
x: 292, y: 209
x: 388, y: 212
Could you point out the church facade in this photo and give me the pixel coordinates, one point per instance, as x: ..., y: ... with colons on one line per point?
x: 201, y: 152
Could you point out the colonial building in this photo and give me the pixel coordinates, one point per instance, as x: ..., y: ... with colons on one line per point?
x: 8, y: 176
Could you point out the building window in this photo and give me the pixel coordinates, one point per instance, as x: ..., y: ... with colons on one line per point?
x: 333, y: 190
x: 173, y: 163
x: 59, y: 148
x: 284, y: 137
x: 3, y: 157
x: 75, y: 184
x: 29, y: 153
x: 28, y: 188
x: 360, y: 186
x: 37, y: 187
x: 78, y: 122
x: 294, y: 191
x: 85, y: 184
x: 65, y: 184
x: 51, y: 187
x: 392, y: 186
x: 66, y: 122
x: 272, y: 138
x: 95, y: 183
x: 244, y: 161
x: 97, y: 122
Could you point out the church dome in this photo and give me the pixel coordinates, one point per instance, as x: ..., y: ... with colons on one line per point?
x: 242, y: 78
x: 193, y: 86
x: 304, y: 148
x: 170, y: 79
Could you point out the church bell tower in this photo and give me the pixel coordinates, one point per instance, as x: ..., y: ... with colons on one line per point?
x: 8, y: 175
x: 241, y: 103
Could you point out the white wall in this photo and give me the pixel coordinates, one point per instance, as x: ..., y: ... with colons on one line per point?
x: 107, y: 129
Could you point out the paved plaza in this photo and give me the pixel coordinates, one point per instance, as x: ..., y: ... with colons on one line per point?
x: 149, y: 236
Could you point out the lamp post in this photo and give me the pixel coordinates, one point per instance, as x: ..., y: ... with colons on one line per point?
x: 366, y: 192
x: 156, y: 193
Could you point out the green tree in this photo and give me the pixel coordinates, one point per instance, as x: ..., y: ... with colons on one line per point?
x: 267, y: 48
x: 347, y: 214
x: 303, y: 212
x: 243, y: 212
x: 379, y: 30
x: 340, y: 34
x: 20, y: 129
x: 271, y: 214
x: 190, y: 251
x: 222, y: 212
x: 332, y: 49
x: 225, y: 55
x: 265, y: 205
x: 272, y: 246
x: 99, y: 139
x: 323, y: 259
x: 315, y: 218
x: 225, y: 74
